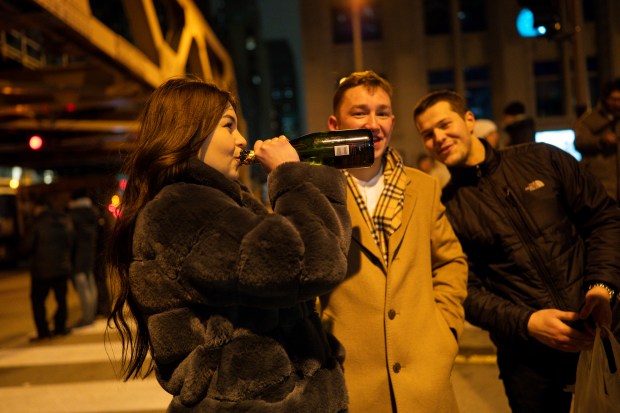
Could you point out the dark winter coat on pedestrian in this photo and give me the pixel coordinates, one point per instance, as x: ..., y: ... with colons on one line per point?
x: 599, y: 157
x: 228, y: 290
x: 537, y: 232
x: 49, y: 244
x: 84, y: 218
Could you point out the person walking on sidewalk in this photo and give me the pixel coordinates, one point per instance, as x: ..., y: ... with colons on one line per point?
x: 49, y: 244
x: 85, y: 222
x: 541, y: 236
x: 596, y: 137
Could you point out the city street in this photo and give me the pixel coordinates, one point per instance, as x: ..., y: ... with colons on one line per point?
x: 79, y: 372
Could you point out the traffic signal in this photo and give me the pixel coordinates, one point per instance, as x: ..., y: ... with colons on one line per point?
x: 539, y: 18
x: 35, y: 142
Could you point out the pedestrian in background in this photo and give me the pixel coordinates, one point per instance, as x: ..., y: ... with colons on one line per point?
x: 541, y: 236
x: 223, y: 291
x: 487, y: 129
x: 49, y: 244
x: 596, y: 137
x: 399, y: 313
x: 427, y: 164
x: 85, y: 223
x: 520, y: 127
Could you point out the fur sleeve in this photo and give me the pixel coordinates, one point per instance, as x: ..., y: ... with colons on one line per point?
x: 196, y: 244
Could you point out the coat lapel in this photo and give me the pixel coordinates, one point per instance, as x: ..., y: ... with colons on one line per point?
x: 397, y: 237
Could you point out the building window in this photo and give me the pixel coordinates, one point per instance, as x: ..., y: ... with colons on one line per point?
x: 589, y: 11
x: 549, y: 88
x: 442, y: 79
x: 478, y: 91
x: 437, y: 17
x: 477, y: 85
x: 471, y: 14
x: 342, y: 26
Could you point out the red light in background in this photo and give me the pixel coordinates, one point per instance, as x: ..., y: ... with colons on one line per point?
x: 122, y: 184
x: 115, y: 211
x: 70, y: 107
x: 35, y: 142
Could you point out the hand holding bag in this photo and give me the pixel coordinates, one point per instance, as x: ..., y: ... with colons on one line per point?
x: 597, y: 388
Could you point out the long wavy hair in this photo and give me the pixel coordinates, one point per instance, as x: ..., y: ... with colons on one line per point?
x: 176, y: 120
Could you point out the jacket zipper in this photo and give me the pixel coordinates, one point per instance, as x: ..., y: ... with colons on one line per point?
x: 527, y: 240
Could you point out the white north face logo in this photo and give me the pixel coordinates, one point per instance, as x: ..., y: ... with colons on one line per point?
x: 534, y: 185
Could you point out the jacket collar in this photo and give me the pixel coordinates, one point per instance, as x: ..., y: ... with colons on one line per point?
x: 202, y: 174
x: 470, y: 174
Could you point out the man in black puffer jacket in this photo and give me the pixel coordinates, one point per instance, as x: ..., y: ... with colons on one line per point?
x: 542, y: 239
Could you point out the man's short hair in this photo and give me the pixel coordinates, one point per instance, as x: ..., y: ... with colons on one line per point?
x: 457, y: 102
x: 514, y: 108
x: 368, y: 78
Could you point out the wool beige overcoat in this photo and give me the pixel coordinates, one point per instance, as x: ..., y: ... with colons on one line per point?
x: 399, y: 323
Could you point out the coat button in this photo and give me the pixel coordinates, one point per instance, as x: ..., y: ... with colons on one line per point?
x: 396, y: 367
x: 391, y: 314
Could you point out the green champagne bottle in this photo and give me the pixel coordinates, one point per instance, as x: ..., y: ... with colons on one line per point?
x: 342, y: 149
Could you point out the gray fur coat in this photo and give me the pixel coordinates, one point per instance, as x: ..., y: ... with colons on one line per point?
x: 228, y: 290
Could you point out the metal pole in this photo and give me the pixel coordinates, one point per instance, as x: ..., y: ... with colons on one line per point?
x: 356, y: 21
x: 582, y: 93
x: 457, y: 49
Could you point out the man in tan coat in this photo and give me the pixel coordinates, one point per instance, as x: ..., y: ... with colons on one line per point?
x: 399, y: 312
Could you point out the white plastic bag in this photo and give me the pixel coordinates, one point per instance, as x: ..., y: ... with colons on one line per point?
x: 597, y: 389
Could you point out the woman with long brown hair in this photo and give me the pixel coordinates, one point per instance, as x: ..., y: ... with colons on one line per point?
x: 222, y: 291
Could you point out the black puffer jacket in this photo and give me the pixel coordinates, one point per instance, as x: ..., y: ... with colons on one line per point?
x: 537, y: 230
x: 228, y: 290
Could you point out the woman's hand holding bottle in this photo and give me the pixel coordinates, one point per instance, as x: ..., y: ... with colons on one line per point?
x: 273, y: 152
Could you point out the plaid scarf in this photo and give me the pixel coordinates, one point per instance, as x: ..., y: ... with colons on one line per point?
x: 388, y: 213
